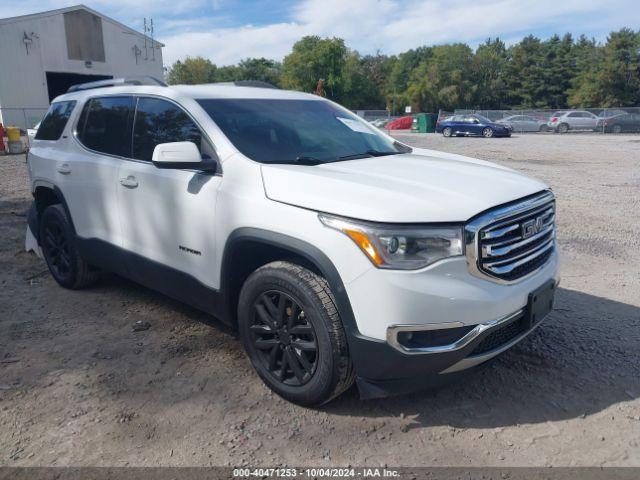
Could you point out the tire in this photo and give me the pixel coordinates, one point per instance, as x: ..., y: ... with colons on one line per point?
x: 300, y: 312
x: 60, y: 251
x: 562, y: 128
x: 446, y: 132
x: 543, y: 128
x: 616, y: 129
x: 487, y: 132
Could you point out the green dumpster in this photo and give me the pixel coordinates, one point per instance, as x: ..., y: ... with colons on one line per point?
x: 424, y: 123
x: 418, y: 125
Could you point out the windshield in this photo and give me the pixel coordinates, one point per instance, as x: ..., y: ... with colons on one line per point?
x: 296, y: 131
x: 483, y: 119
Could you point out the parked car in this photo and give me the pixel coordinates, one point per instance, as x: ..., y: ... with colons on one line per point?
x: 336, y: 251
x: 471, y: 125
x: 627, y: 122
x: 380, y: 122
x: 31, y: 133
x: 610, y: 112
x: 402, y: 123
x: 562, y: 122
x: 524, y: 123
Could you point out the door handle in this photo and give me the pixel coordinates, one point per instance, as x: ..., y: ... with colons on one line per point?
x: 129, y: 182
x: 64, y: 169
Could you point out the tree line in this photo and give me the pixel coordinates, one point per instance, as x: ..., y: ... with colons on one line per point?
x: 559, y: 72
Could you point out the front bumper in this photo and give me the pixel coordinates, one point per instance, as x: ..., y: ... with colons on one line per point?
x: 444, y: 296
x: 397, y: 372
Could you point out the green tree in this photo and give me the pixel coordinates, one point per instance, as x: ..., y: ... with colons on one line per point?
x: 192, y: 71
x: 488, y: 68
x: 587, y: 59
x: 443, y: 81
x: 260, y: 69
x: 315, y: 58
x: 557, y: 71
x: 525, y: 74
x: 619, y: 76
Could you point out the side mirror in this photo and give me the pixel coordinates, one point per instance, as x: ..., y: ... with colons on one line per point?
x: 176, y: 155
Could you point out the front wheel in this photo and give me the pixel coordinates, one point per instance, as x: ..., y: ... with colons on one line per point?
x: 446, y: 132
x: 293, y: 335
x: 543, y: 128
x: 487, y: 132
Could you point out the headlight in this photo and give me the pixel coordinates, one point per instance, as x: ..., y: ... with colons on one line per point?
x: 402, y: 247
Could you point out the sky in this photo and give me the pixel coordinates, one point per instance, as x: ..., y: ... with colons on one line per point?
x: 226, y: 31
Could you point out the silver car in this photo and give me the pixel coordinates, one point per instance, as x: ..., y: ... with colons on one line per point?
x: 562, y: 122
x: 524, y: 123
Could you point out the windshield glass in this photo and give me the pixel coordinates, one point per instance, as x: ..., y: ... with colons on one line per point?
x: 295, y: 131
x: 483, y: 119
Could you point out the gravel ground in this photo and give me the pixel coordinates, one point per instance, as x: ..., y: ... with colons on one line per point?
x: 79, y: 387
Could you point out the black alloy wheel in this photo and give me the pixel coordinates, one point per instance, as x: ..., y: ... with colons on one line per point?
x: 56, y: 250
x: 293, y: 335
x: 60, y: 251
x: 283, y: 338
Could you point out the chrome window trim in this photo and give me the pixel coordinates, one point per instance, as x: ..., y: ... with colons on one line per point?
x: 509, y: 213
x: 393, y: 330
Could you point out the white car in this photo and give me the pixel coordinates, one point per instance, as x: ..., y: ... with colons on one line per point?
x: 340, y: 254
x: 31, y: 133
x: 562, y: 122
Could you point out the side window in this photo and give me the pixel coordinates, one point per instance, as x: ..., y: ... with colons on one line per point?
x: 55, y: 120
x: 105, y: 127
x: 159, y: 121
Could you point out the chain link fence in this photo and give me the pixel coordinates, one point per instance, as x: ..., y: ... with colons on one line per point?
x: 24, y: 118
x: 595, y: 120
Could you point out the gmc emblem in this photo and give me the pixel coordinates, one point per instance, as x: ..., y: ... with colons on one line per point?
x: 531, y: 227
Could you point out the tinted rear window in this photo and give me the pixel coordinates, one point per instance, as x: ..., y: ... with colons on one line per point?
x: 105, y: 125
x: 55, y: 120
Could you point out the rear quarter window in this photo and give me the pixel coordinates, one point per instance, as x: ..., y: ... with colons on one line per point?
x: 55, y: 120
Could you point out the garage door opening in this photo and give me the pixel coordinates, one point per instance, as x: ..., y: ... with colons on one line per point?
x: 59, y: 82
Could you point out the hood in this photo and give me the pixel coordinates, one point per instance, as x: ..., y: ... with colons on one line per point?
x: 406, y: 188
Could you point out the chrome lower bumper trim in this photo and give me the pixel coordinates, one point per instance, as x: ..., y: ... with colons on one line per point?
x: 392, y: 334
x: 478, y: 359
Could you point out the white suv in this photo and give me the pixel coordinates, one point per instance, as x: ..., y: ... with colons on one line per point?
x: 338, y: 253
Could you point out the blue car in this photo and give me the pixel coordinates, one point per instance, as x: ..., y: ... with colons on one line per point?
x: 471, y: 125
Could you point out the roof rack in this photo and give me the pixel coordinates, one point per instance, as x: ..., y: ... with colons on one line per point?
x: 250, y: 83
x: 115, y: 82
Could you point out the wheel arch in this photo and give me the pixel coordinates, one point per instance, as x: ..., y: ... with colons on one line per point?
x: 247, y: 249
x: 45, y: 195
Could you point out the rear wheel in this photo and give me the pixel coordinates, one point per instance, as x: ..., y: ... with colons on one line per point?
x: 487, y: 132
x: 293, y: 335
x: 60, y: 252
x: 616, y: 129
x: 543, y: 128
x: 563, y: 128
x: 446, y: 131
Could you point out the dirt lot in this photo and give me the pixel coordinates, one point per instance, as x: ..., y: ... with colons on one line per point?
x: 79, y: 387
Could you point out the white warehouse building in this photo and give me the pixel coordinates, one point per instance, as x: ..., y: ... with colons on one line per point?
x: 43, y: 54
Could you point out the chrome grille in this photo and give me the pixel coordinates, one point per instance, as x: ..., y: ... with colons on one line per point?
x: 511, y: 242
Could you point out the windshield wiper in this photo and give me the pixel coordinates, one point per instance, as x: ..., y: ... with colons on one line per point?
x: 367, y: 154
x: 305, y: 160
